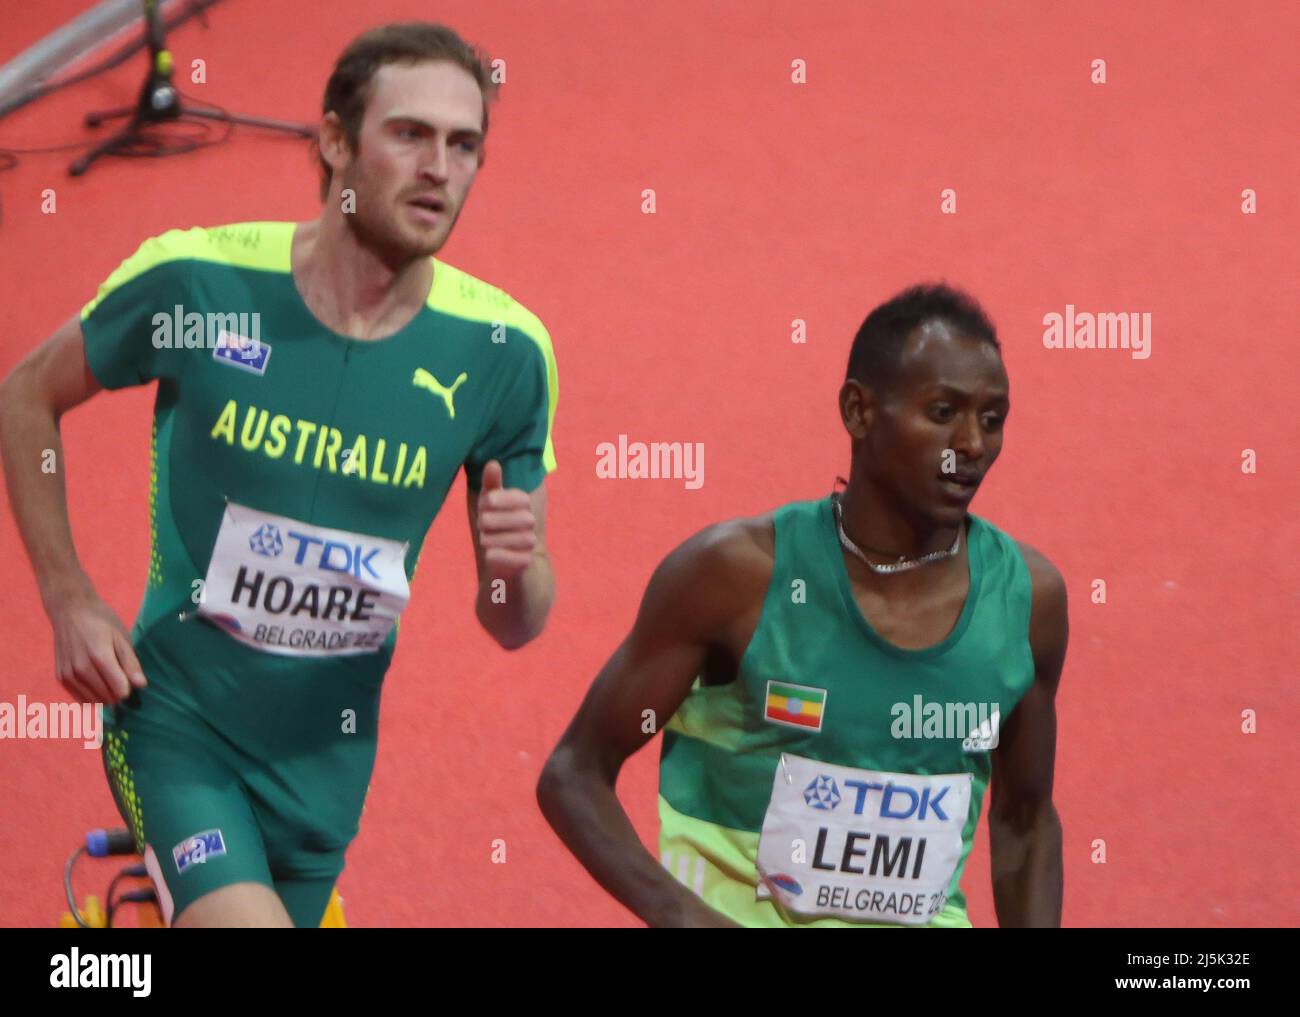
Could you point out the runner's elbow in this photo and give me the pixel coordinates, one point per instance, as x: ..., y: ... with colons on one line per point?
x: 1022, y: 816
x: 512, y: 640
x: 24, y: 392
x: 552, y: 782
x: 566, y: 765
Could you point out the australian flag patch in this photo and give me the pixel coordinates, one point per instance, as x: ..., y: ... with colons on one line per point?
x: 241, y: 351
x: 198, y: 849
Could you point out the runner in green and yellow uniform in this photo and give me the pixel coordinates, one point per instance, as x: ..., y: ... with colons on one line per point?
x: 839, y: 680
x: 319, y: 387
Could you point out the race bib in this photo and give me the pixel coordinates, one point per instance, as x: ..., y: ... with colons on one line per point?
x: 302, y: 590
x: 861, y: 844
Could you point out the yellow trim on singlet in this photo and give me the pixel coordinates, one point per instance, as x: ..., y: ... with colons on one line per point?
x: 718, y: 865
x: 462, y: 295
x: 268, y: 246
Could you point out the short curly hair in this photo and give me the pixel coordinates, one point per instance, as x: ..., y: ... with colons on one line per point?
x: 878, y: 345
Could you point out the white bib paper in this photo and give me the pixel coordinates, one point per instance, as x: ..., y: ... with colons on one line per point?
x: 861, y: 845
x: 282, y: 586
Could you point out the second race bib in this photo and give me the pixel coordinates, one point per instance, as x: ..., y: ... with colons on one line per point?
x: 861, y: 844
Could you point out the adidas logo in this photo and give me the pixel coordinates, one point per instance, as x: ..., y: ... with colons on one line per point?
x: 985, y: 737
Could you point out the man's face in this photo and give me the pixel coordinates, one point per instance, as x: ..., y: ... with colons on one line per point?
x: 945, y: 409
x: 420, y: 145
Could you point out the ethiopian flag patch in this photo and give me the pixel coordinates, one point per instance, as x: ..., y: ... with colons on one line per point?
x: 796, y: 705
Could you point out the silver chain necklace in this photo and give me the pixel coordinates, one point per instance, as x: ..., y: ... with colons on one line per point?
x: 904, y: 564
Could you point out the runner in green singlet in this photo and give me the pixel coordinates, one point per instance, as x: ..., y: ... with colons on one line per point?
x: 319, y: 386
x: 841, y: 680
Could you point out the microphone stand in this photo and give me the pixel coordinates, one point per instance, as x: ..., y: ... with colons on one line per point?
x: 159, y: 101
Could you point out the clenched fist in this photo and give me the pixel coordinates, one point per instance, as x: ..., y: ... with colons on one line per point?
x: 507, y: 531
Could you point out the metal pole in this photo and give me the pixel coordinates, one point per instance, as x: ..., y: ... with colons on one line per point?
x: 66, y: 45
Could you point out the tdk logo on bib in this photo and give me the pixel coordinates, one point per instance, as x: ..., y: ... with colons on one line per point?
x: 894, y: 801
x: 266, y: 541
x: 333, y: 555
x: 898, y: 801
x: 822, y: 793
x: 336, y: 556
x: 240, y: 351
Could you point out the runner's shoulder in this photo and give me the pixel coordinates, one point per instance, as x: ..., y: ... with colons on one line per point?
x: 247, y: 244
x: 1049, y: 614
x: 1048, y: 583
x: 463, y: 295
x: 719, y: 573
x: 235, y: 241
x: 733, y: 548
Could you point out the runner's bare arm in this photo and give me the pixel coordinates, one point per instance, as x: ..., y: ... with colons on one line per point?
x: 45, y: 384
x: 93, y: 654
x: 1024, y: 829
x: 694, y: 596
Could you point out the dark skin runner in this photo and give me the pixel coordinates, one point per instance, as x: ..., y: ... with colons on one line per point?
x: 701, y: 608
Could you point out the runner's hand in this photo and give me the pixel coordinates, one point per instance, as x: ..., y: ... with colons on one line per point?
x: 93, y: 658
x: 507, y: 530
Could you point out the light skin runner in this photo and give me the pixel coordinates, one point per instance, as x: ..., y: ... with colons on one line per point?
x: 364, y: 275
x: 702, y: 607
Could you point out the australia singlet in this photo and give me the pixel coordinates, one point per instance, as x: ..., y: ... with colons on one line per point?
x: 294, y: 474
x: 838, y: 779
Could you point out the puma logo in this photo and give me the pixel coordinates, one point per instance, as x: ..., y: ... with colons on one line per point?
x: 423, y: 379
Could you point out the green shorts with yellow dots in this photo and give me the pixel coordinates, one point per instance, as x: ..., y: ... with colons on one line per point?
x: 274, y: 799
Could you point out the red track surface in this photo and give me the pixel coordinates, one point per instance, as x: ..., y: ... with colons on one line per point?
x: 775, y: 201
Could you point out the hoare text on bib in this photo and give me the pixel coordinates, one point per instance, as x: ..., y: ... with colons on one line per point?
x: 293, y: 588
x: 861, y: 845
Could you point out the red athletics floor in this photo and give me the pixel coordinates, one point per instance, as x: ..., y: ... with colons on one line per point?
x: 775, y: 201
